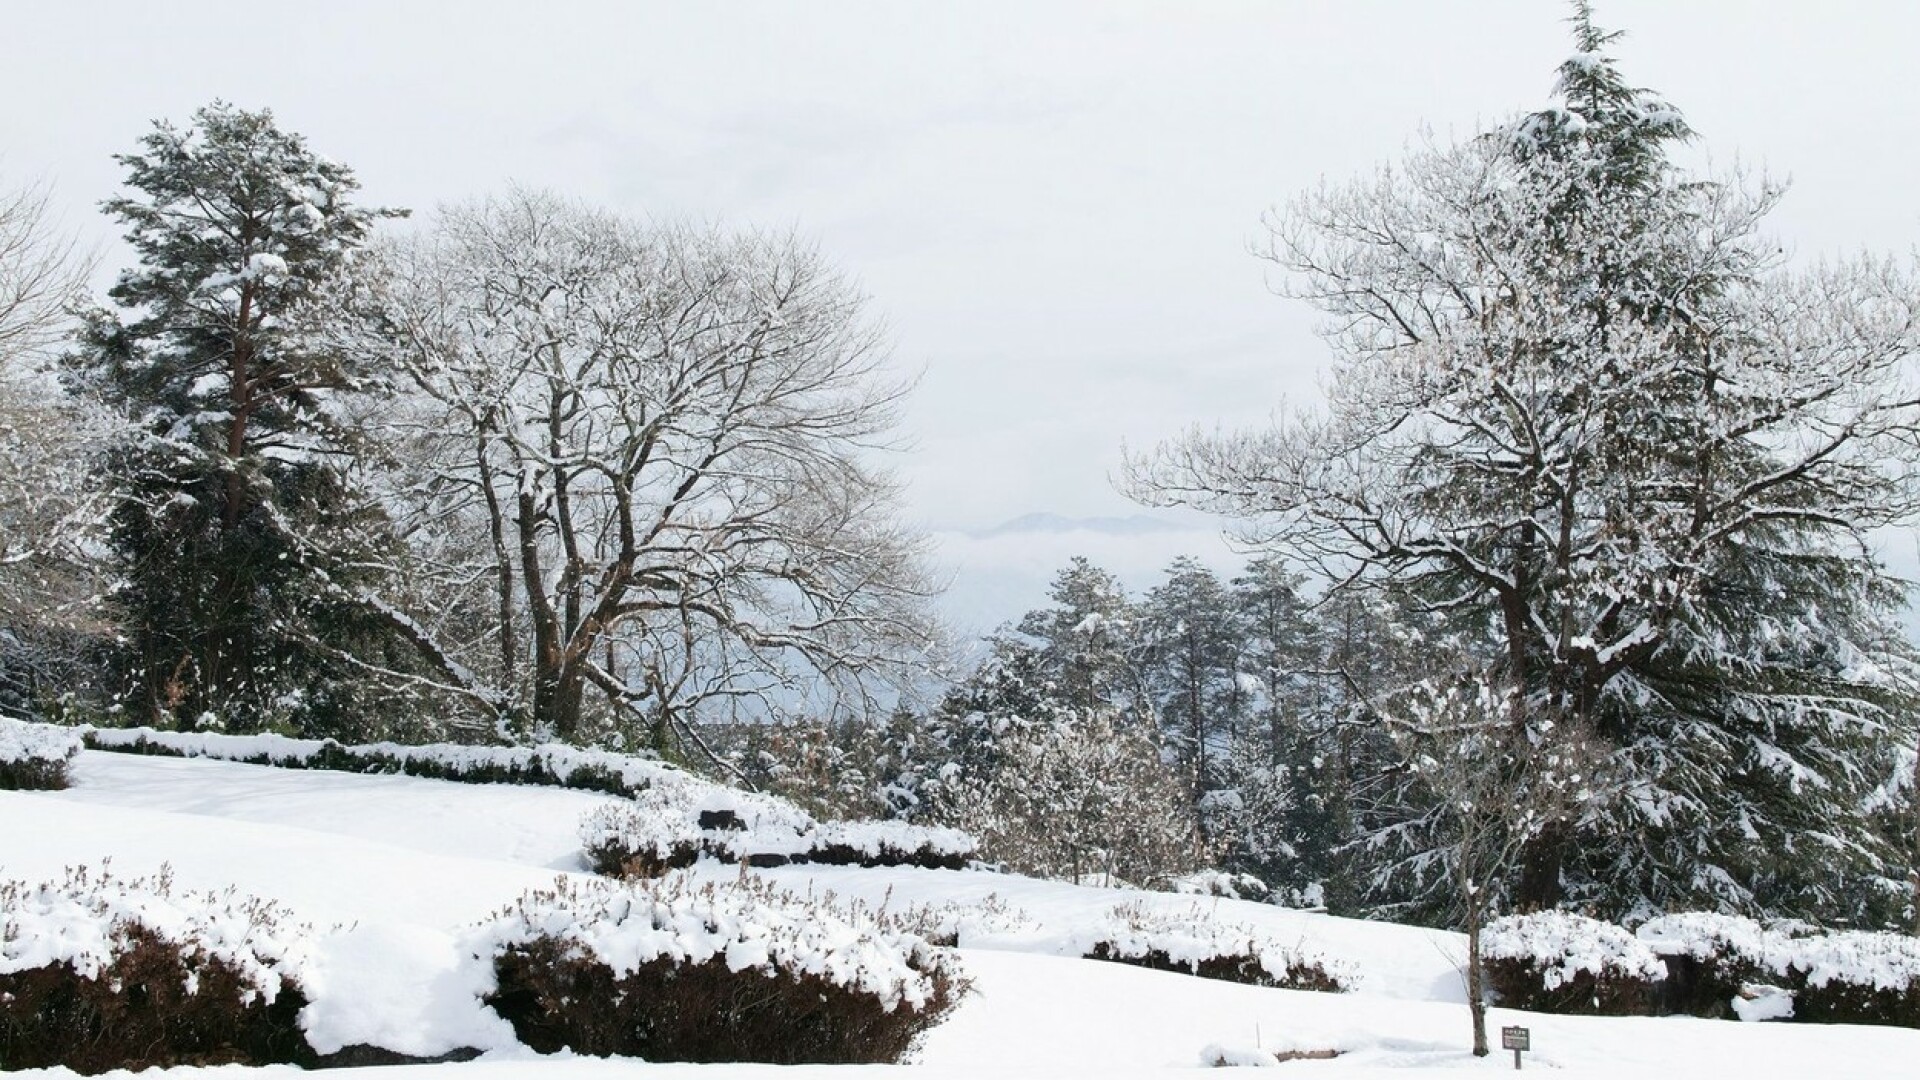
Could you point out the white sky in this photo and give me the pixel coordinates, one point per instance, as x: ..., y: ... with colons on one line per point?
x: 1050, y: 202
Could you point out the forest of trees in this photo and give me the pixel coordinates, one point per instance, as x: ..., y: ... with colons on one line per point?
x: 1566, y: 597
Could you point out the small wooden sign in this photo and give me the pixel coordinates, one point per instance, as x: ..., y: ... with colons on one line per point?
x: 1516, y: 1039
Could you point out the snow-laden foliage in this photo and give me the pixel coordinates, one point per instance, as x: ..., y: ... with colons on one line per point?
x: 35, y: 756
x: 640, y: 466
x: 1703, y: 935
x: 1720, y: 965
x: 1581, y: 413
x: 100, y: 973
x: 678, y: 970
x: 1859, y: 958
x: 1191, y: 938
x: 1197, y: 941
x: 1557, y: 961
x: 745, y: 924
x: 242, y: 539
x: 969, y: 923
x: 1073, y: 796
x: 87, y: 920
x: 671, y: 825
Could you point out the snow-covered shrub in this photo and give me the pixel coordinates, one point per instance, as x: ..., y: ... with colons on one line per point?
x: 1857, y: 977
x: 100, y: 973
x: 964, y: 924
x: 546, y: 765
x: 34, y: 757
x: 1559, y: 962
x: 671, y: 970
x: 672, y: 825
x: 1197, y: 943
x: 1717, y: 964
x: 1220, y: 883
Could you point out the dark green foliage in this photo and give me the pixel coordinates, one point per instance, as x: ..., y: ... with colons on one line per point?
x: 666, y: 1011
x: 1705, y: 986
x: 1851, y: 1003
x: 33, y: 774
x: 139, y: 1013
x: 243, y: 544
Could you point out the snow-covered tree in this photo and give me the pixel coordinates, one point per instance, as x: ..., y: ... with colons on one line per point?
x: 648, y: 466
x: 1088, y: 642
x: 50, y: 510
x: 1066, y: 793
x: 1189, y: 652
x: 1580, y: 406
x: 236, y: 532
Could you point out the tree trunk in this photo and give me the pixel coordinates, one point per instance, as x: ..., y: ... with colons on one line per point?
x: 1537, y: 887
x: 1476, y: 981
x: 1913, y: 853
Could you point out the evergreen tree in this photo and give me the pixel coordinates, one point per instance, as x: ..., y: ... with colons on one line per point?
x: 1628, y: 466
x: 1190, y: 653
x: 1087, y: 643
x: 241, y: 542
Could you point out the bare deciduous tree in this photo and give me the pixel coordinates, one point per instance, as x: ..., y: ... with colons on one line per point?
x: 646, y: 457
x: 49, y: 510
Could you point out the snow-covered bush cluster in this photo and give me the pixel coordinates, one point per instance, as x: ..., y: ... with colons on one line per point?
x: 1857, y: 977
x: 671, y: 969
x: 100, y: 973
x: 548, y: 764
x: 671, y: 825
x: 1557, y: 961
x: 1721, y: 965
x: 1195, y: 941
x: 1703, y: 964
x: 34, y: 757
x: 969, y: 924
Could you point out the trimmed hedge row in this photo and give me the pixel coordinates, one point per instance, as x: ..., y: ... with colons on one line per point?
x: 540, y: 766
x: 1701, y: 964
x: 670, y: 829
x: 98, y: 974
x: 673, y: 971
x: 35, y: 757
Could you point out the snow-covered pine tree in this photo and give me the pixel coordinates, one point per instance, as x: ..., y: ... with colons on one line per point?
x: 1189, y: 657
x: 238, y: 535
x: 1087, y: 642
x: 1582, y: 411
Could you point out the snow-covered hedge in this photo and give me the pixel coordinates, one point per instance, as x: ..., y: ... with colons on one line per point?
x: 1857, y: 977
x: 674, y: 970
x: 674, y: 824
x: 34, y: 757
x: 100, y: 973
x: 1196, y: 942
x: 1720, y: 965
x: 548, y: 764
x: 968, y: 924
x: 1559, y: 962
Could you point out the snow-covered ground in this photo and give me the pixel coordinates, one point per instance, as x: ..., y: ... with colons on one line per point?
x: 394, y: 873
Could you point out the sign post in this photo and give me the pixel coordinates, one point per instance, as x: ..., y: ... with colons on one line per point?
x: 1516, y: 1039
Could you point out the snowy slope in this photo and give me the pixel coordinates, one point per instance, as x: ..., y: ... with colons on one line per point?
x: 393, y: 870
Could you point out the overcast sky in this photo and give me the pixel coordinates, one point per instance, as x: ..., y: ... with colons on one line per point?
x: 1051, y: 203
